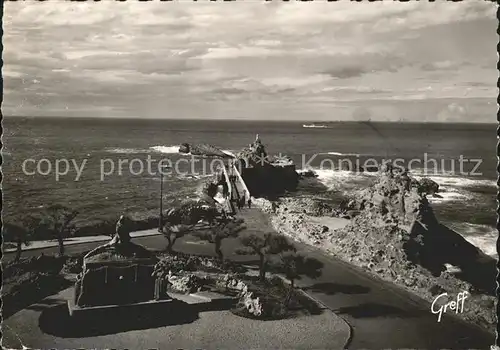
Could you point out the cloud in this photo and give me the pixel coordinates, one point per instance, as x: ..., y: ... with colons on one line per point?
x: 441, y: 66
x: 138, y: 58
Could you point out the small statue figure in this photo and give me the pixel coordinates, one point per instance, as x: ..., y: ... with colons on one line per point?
x: 120, y: 243
x: 122, y: 231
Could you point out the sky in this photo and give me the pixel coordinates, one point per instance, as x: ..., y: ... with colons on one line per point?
x: 250, y: 59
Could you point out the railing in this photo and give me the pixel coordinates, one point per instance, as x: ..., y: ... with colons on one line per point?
x: 229, y: 188
x: 229, y: 173
x: 243, y: 184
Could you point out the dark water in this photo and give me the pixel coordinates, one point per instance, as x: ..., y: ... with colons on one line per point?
x: 469, y: 201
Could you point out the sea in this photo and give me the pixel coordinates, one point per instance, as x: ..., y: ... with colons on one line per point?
x: 99, y: 166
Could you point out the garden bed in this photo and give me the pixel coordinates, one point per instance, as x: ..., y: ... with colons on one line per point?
x: 276, y: 299
x: 271, y: 299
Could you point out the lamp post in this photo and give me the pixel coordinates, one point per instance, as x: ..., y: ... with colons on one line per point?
x: 160, y: 223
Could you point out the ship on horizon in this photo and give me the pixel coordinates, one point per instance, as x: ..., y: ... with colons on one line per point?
x: 314, y: 126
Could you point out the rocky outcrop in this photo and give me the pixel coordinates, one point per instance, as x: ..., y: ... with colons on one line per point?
x: 394, y: 234
x: 252, y: 304
x: 184, y: 284
x: 265, y: 175
x: 307, y: 174
x: 202, y: 150
x: 304, y: 205
x: 428, y: 186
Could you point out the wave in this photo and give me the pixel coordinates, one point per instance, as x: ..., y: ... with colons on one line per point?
x: 165, y: 149
x: 346, y: 181
x: 454, y: 180
x: 342, y: 154
x: 126, y: 150
x: 193, y: 177
x: 483, y: 237
x: 324, y: 174
x: 448, y: 195
x: 336, y: 180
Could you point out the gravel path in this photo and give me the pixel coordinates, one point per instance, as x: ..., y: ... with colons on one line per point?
x: 45, y: 325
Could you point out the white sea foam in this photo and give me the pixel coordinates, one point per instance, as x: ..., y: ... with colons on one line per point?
x: 326, y: 174
x: 483, y: 237
x: 448, y: 196
x: 126, y: 150
x: 330, y: 175
x: 451, y: 189
x: 165, y: 149
x: 455, y: 181
x: 454, y: 188
x: 342, y: 154
x: 229, y: 152
x: 341, y: 180
x: 193, y: 176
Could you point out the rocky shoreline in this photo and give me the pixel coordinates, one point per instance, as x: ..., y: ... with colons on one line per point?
x: 390, y: 231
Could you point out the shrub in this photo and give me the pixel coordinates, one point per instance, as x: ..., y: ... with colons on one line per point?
x: 256, y: 305
x: 73, y: 265
x: 185, y: 284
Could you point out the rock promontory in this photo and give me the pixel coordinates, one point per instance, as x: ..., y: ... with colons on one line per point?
x: 203, y: 150
x: 263, y: 174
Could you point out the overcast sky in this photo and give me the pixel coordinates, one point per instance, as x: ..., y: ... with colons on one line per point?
x: 250, y: 59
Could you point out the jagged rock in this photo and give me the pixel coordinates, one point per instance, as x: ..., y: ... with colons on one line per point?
x: 203, y: 150
x: 184, y: 148
x: 252, y: 304
x: 185, y: 284
x: 393, y: 227
x: 436, y: 289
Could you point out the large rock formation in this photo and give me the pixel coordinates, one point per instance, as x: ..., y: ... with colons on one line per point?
x: 395, y: 234
x: 203, y: 150
x: 265, y: 175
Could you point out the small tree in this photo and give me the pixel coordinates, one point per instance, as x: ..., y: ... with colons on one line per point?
x: 264, y: 247
x: 20, y: 233
x: 294, y: 266
x: 224, y: 227
x: 57, y: 221
x: 181, y: 220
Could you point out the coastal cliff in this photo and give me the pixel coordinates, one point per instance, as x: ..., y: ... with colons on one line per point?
x: 390, y: 230
x: 265, y: 175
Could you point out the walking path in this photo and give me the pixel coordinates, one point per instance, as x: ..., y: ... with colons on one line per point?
x: 79, y: 240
